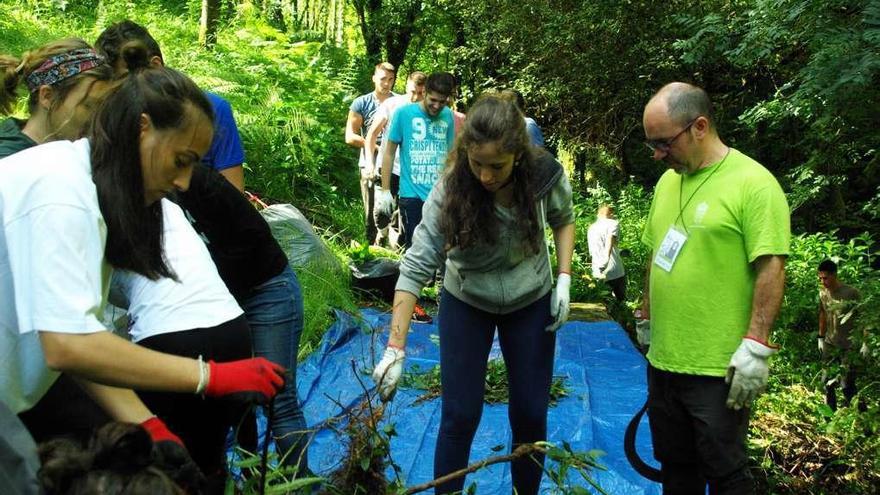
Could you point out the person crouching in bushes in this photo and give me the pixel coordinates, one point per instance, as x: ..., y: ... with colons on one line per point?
x: 74, y: 209
x: 486, y: 218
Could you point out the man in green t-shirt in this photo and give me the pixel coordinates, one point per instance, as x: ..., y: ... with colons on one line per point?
x: 718, y: 230
x: 837, y: 305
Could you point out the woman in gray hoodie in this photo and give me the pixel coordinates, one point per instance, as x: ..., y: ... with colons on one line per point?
x: 486, y: 219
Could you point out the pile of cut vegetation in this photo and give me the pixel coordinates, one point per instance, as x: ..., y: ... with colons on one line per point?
x: 496, y: 384
x: 800, y: 449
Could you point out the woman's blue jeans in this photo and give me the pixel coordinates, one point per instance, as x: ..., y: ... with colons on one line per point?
x: 274, y: 311
x: 466, y: 335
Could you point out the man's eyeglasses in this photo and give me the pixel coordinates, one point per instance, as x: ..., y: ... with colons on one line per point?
x: 664, y: 145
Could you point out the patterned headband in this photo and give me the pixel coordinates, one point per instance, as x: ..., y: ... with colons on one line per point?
x: 63, y: 66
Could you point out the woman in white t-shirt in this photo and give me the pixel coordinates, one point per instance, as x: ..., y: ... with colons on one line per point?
x: 192, y: 315
x: 70, y: 211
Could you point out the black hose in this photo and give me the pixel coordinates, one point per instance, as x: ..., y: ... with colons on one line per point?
x: 629, y: 447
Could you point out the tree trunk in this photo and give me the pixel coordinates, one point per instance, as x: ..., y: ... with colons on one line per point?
x: 295, y: 16
x: 208, y: 23
x: 396, y: 45
x: 340, y: 22
x: 368, y: 14
x: 305, y: 9
x: 321, y: 17
x: 393, y: 33
x: 397, y: 40
x: 276, y: 15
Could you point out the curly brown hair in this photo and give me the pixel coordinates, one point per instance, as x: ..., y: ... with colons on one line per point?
x: 117, y: 460
x: 15, y: 70
x: 468, y: 209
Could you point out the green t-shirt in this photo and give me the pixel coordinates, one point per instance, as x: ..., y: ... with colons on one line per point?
x: 732, y: 213
x: 11, y: 138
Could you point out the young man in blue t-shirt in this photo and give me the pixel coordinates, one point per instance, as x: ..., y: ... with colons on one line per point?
x: 424, y: 132
x: 360, y: 117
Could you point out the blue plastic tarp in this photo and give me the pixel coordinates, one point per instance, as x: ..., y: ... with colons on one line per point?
x: 605, y: 378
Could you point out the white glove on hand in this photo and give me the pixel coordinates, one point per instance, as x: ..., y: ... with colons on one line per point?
x: 387, y: 373
x: 559, y: 300
x: 643, y: 332
x: 747, y: 372
x: 384, y: 202
x: 864, y: 350
x: 821, y: 344
x: 368, y: 171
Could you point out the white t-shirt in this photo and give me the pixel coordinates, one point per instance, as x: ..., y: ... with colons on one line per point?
x: 199, y: 300
x: 599, y: 235
x: 52, y: 271
x: 386, y: 109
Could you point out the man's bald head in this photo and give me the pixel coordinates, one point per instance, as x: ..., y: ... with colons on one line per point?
x: 682, y: 103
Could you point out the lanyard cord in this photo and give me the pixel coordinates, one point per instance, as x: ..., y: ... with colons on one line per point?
x: 681, y: 187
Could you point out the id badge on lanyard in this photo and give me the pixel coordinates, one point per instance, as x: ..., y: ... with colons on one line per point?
x: 670, y: 248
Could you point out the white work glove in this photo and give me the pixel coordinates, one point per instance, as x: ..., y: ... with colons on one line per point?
x: 384, y: 202
x: 387, y: 373
x: 559, y: 300
x: 821, y: 344
x: 643, y: 332
x: 369, y: 171
x: 747, y: 372
x: 864, y: 350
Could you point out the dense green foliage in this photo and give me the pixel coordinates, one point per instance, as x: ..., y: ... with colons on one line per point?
x: 795, y: 83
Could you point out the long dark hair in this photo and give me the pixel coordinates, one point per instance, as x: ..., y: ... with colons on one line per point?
x: 468, y: 213
x: 134, y: 231
x: 111, y: 41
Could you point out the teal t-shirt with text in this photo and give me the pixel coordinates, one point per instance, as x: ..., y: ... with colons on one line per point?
x: 424, y: 143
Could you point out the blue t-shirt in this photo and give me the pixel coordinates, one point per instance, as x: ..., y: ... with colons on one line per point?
x: 226, y: 150
x: 535, y: 135
x: 424, y: 143
x: 366, y: 105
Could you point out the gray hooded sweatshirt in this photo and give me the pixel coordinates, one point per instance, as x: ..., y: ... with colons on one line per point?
x: 499, y: 278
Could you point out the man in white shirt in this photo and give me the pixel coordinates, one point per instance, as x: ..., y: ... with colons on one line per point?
x: 602, y: 239
x: 415, y: 92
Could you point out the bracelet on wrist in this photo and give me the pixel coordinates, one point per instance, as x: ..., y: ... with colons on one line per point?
x: 204, y: 373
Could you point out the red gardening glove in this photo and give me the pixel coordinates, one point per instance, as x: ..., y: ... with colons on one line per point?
x: 159, y: 432
x: 172, y: 458
x: 248, y: 380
